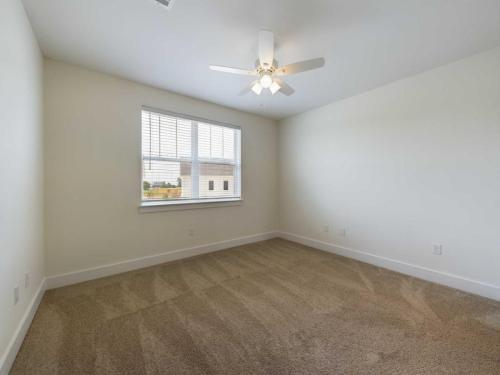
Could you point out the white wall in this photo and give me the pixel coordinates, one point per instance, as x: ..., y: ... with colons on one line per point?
x: 21, y: 167
x: 92, y: 179
x: 401, y: 167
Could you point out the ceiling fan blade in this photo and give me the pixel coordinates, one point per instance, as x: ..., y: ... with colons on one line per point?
x: 301, y: 66
x: 247, y: 88
x: 239, y: 71
x: 285, y: 89
x: 266, y: 48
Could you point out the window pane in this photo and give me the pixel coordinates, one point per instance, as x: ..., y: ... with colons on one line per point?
x: 216, y: 142
x: 204, y: 145
x: 165, y: 136
x: 166, y: 180
x: 228, y: 143
x: 183, y: 138
x: 166, y: 142
x: 212, y: 180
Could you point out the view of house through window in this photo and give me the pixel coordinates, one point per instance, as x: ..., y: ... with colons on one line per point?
x: 187, y: 159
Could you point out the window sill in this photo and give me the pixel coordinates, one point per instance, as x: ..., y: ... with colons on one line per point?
x: 158, y: 206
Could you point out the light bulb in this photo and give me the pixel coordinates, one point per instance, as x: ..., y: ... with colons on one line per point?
x: 266, y: 81
x: 275, y: 87
x: 257, y: 88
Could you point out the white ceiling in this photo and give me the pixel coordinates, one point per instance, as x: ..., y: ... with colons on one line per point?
x: 366, y: 43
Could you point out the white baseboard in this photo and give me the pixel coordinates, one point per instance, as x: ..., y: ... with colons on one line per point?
x: 438, y: 277
x: 138, y: 263
x: 10, y: 353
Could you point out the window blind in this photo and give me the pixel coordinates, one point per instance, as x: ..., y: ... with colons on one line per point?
x: 189, y: 159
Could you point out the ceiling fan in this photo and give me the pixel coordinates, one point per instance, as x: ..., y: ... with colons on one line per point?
x: 268, y: 71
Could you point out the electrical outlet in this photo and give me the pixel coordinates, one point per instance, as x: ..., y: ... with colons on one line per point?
x: 342, y: 232
x: 16, y: 294
x: 27, y: 280
x: 326, y: 228
x: 437, y: 249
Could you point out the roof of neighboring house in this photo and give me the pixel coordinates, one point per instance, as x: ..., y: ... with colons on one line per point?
x: 208, y: 169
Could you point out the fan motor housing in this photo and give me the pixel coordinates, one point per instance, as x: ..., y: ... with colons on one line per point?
x: 261, y: 70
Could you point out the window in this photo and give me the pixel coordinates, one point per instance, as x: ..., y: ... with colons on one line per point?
x: 189, y: 160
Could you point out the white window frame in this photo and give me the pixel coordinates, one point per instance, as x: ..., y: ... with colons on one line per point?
x: 167, y: 205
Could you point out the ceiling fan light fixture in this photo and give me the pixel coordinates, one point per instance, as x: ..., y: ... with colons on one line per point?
x: 266, y: 81
x: 267, y: 71
x: 275, y: 87
x: 257, y: 88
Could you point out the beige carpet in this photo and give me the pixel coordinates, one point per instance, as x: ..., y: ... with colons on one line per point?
x: 275, y: 307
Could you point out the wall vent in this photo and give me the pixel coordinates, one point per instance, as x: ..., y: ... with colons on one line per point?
x: 166, y: 3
